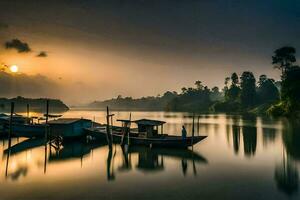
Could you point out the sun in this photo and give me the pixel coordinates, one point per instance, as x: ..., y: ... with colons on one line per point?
x: 14, y: 68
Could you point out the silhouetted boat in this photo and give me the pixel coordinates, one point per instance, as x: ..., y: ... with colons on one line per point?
x: 147, y: 134
x: 5, y: 119
x: 29, y: 130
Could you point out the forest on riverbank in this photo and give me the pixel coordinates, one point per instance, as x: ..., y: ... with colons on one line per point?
x: 35, y: 105
x: 241, y: 93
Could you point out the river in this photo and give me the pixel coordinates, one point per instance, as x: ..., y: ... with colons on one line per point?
x: 243, y: 157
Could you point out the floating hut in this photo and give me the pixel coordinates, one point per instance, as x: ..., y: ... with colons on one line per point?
x: 149, y: 127
x: 69, y: 127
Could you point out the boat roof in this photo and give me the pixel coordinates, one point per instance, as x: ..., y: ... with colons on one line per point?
x: 149, y: 122
x: 124, y: 120
x: 145, y: 122
x: 3, y: 115
x: 52, y: 116
x: 67, y: 121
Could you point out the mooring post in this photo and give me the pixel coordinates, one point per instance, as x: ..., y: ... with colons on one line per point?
x: 46, y: 125
x: 129, y: 125
x: 193, y: 129
x: 198, y: 124
x: 28, y: 120
x: 108, y: 136
x: 47, y: 110
x: 12, y: 109
x: 112, y: 126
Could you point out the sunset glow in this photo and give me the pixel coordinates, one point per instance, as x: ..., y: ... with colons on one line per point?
x: 14, y: 68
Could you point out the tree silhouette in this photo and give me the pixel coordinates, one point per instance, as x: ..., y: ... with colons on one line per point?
x: 199, y: 85
x: 234, y: 79
x: 248, y: 89
x: 234, y: 91
x: 284, y: 58
x: 267, y: 90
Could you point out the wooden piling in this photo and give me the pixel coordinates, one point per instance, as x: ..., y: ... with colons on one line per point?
x: 28, y: 120
x: 47, y: 115
x: 47, y: 110
x: 108, y: 135
x: 129, y: 125
x: 111, y: 127
x: 12, y: 110
x: 198, y: 125
x: 193, y: 129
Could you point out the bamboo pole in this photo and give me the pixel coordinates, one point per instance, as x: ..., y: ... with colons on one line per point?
x: 12, y: 110
x: 108, y: 136
x: 12, y: 107
x: 47, y: 115
x: 28, y: 120
x: 129, y: 129
x: 193, y: 129
x: 47, y: 110
x: 111, y: 129
x: 198, y: 125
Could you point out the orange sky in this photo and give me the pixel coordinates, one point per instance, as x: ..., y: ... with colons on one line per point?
x: 103, y: 50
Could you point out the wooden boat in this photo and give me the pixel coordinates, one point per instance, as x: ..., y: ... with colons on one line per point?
x: 29, y: 130
x: 5, y: 119
x: 147, y: 134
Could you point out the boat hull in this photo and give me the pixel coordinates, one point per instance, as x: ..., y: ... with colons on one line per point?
x: 163, y: 141
x: 28, y: 130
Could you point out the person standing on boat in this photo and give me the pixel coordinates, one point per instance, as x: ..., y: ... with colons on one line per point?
x: 183, y: 133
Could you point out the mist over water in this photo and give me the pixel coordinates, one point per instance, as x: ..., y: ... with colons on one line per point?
x: 242, y: 157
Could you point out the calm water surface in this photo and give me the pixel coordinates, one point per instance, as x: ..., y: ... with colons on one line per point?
x: 244, y: 157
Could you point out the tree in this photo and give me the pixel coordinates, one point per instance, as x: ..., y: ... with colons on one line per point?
x: 233, y: 92
x: 227, y: 79
x: 290, y: 92
x: 248, y: 90
x: 199, y: 85
x: 234, y: 79
x: 215, y: 89
x: 284, y: 58
x: 267, y: 90
x: 215, y: 94
x: 225, y: 89
x: 184, y: 90
x: 262, y: 79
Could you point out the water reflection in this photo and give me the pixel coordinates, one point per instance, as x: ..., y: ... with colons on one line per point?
x: 236, y: 138
x: 150, y: 160
x: 272, y: 147
x: 269, y: 136
x: 286, y: 176
x: 250, y: 140
x: 291, y: 139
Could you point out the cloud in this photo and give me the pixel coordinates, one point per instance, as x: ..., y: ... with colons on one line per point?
x: 27, y: 85
x: 42, y: 54
x: 17, y: 44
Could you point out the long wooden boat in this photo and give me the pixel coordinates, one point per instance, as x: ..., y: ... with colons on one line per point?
x: 29, y: 130
x: 158, y: 141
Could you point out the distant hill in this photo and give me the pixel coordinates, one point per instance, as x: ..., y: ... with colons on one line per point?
x: 191, y: 99
x: 36, y: 105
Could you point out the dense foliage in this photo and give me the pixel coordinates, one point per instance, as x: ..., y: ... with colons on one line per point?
x: 35, y: 105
